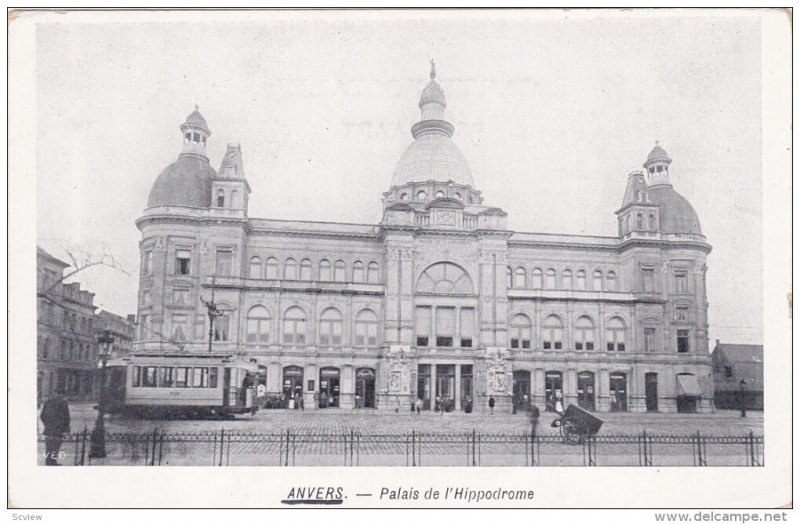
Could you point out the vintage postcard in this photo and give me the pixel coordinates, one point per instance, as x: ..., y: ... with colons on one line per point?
x: 467, y: 258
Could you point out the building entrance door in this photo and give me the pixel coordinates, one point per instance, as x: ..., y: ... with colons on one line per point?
x: 553, y: 391
x: 292, y: 385
x: 329, y: 387
x: 651, y: 391
x: 522, y: 391
x: 424, y: 385
x: 586, y: 390
x: 618, y: 388
x: 446, y: 386
x: 365, y: 388
x: 466, y: 388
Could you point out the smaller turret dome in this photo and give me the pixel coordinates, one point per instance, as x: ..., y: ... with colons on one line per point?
x: 433, y: 92
x: 657, y: 155
x: 196, y: 119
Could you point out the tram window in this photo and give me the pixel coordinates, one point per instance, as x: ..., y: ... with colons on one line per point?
x: 200, y: 378
x: 149, y: 376
x: 137, y: 376
x: 182, y: 377
x: 165, y: 377
x: 212, y: 378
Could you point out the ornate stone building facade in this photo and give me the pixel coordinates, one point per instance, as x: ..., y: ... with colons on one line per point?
x: 439, y: 300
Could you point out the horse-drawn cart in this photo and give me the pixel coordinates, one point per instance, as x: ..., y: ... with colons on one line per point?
x: 575, y: 424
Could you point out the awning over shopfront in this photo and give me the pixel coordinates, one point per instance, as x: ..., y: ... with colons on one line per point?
x: 688, y: 386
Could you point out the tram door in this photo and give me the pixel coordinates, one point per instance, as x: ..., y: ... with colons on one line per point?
x: 226, y: 387
x: 424, y: 385
x: 365, y: 388
x: 586, y: 390
x: 329, y: 387
x: 522, y: 390
x: 553, y: 390
x: 618, y: 392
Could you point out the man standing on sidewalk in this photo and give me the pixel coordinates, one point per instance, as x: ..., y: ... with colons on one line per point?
x: 55, y: 415
x: 534, y: 418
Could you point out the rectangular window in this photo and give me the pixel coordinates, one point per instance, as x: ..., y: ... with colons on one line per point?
x: 222, y: 328
x: 183, y: 262
x: 149, y: 376
x: 467, y: 326
x: 683, y: 341
x: 649, y: 280
x: 212, y: 378
x: 180, y: 296
x: 224, y: 262
x: 200, y: 327
x: 166, y: 377
x: 180, y: 324
x: 147, y: 262
x: 681, y: 281
x: 514, y: 343
x: 136, y: 379
x: 423, y: 325
x: 200, y: 378
x: 649, y: 339
x: 728, y: 372
x: 445, y: 326
x: 182, y: 377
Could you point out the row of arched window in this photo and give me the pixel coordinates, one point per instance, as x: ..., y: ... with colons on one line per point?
x: 327, y: 271
x: 330, y: 327
x: 550, y: 279
x: 584, y: 330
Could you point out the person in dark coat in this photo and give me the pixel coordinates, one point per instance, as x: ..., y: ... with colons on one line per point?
x: 491, y: 405
x: 534, y: 413
x: 55, y: 416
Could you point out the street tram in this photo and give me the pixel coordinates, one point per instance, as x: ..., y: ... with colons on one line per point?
x: 183, y: 385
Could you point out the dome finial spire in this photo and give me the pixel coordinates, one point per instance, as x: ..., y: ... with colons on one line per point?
x: 197, y: 108
x: 433, y: 69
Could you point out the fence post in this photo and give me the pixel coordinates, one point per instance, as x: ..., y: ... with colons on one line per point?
x: 221, y: 444
x: 413, y: 448
x: 473, y: 447
x: 479, y: 449
x: 155, y: 438
x: 160, y: 447
x: 214, y: 457
x: 344, y: 442
x: 228, y: 454
x: 77, y: 448
x: 83, y: 445
x: 701, y: 461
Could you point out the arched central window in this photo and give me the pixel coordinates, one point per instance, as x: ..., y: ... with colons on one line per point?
x: 272, y: 268
x: 294, y: 326
x: 305, y: 269
x: 520, y: 278
x: 520, y: 332
x: 372, y: 273
x: 445, y: 278
x: 584, y: 334
x: 339, y: 271
x: 611, y: 281
x: 536, y: 276
x: 255, y: 267
x: 358, y: 271
x: 290, y: 269
x: 330, y: 328
x: 221, y: 198
x: 566, y: 279
x: 580, y: 280
x: 615, y: 334
x: 366, y: 328
x: 597, y: 280
x: 552, y: 328
x: 550, y: 279
x: 258, y: 323
x: 324, y: 270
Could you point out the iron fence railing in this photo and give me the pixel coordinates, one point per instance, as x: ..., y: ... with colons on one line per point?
x: 410, y: 448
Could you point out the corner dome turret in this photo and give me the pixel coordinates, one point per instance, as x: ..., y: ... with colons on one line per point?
x: 187, y: 181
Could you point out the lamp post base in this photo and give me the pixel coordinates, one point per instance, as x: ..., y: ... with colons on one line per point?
x: 97, y: 447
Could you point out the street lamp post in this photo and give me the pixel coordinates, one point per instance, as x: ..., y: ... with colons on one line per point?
x: 98, y: 439
x: 742, y: 400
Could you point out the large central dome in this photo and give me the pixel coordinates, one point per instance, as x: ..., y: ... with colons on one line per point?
x: 432, y: 157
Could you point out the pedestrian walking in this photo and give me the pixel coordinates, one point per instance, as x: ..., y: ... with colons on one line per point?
x: 418, y: 405
x: 55, y: 416
x: 491, y: 405
x: 534, y: 412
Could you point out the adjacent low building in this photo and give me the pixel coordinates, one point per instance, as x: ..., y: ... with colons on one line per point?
x: 439, y: 301
x: 738, y: 373
x: 122, y: 329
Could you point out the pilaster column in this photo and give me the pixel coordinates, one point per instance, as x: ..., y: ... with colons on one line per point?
x: 458, y: 387
x: 433, y: 386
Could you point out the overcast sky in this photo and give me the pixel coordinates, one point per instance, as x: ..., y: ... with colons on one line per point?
x: 551, y: 113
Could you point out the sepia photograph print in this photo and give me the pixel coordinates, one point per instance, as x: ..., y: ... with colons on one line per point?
x: 467, y: 258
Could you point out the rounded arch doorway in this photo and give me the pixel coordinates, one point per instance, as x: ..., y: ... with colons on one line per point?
x: 365, y: 388
x: 329, y: 378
